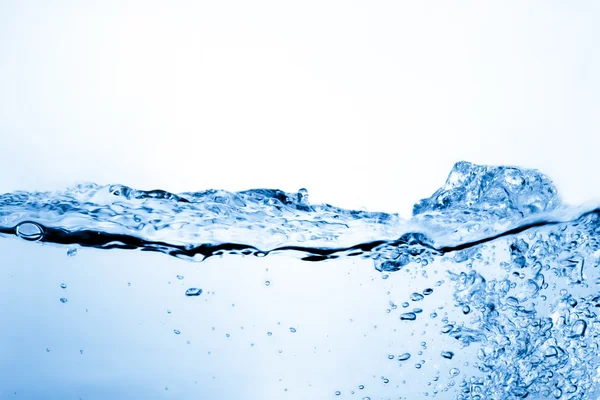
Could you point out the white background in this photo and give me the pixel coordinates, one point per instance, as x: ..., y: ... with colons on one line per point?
x: 367, y: 104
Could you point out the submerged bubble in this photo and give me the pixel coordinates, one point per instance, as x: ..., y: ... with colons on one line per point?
x: 193, y: 292
x: 72, y: 252
x: 63, y: 300
x: 180, y: 277
x: 404, y: 357
x: 293, y: 330
x: 447, y: 354
x: 267, y: 283
x: 29, y: 231
x: 416, y: 297
x: 176, y: 331
x: 408, y: 316
x: 63, y: 285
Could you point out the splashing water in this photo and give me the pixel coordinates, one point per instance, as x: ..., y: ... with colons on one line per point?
x: 519, y: 268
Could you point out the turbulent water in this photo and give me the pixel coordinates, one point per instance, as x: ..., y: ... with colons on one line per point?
x: 518, y: 270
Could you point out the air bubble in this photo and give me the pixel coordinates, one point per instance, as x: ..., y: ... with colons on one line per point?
x: 63, y: 300
x: 408, y: 316
x: 29, y: 231
x: 193, y: 292
x: 416, y: 297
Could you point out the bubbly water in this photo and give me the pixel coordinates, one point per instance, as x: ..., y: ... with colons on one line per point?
x: 489, y: 291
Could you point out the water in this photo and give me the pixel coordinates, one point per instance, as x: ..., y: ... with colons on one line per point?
x: 488, y: 292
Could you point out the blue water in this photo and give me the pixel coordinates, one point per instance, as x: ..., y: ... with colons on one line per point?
x: 489, y: 291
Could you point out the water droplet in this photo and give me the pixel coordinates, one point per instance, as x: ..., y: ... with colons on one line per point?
x: 177, y: 332
x: 168, y: 311
x: 63, y: 285
x: 29, y: 231
x: 227, y: 335
x: 269, y: 333
x: 337, y: 393
x: 427, y: 291
x: 404, y: 357
x: 447, y: 354
x: 293, y: 330
x: 80, y: 351
x: 267, y: 283
x: 408, y: 316
x: 454, y: 372
x: 193, y: 292
x: 361, y: 387
x: 47, y: 350
x: 63, y: 300
x: 390, y: 356
x: 72, y: 252
x: 466, y: 310
x: 180, y: 277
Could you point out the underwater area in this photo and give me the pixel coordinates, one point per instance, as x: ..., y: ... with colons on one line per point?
x: 488, y: 291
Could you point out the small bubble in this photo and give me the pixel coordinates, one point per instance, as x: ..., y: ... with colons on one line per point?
x: 293, y: 330
x: 427, y: 291
x: 180, y: 277
x: 47, y: 350
x: 454, y: 372
x: 193, y: 292
x: 177, y: 332
x: 63, y: 300
x: 128, y: 283
x: 72, y: 252
x: 337, y: 393
x: 361, y: 387
x: 418, y: 366
x: 29, y: 231
x: 408, y: 316
x: 166, y: 388
x: 447, y: 354
x: 466, y: 310
x: 390, y: 356
x: 63, y: 285
x: 80, y: 351
x: 386, y: 380
x: 168, y: 311
x: 404, y: 357
x: 269, y: 333
x: 227, y: 335
x: 416, y: 297
x: 267, y: 283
